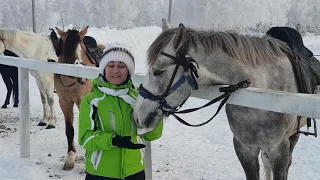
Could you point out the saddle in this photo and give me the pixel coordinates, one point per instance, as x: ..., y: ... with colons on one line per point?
x: 305, y: 66
x: 293, y: 38
x: 93, y: 51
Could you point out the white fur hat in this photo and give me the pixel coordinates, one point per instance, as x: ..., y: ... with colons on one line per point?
x: 117, y: 52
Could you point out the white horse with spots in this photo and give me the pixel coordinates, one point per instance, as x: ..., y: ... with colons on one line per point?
x: 34, y: 46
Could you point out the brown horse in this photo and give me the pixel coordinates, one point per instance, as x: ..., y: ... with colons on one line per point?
x: 71, y: 90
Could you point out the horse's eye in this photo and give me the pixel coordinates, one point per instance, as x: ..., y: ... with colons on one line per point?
x: 157, y: 72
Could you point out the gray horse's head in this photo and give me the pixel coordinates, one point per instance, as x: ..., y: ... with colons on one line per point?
x: 169, y: 81
x: 223, y: 57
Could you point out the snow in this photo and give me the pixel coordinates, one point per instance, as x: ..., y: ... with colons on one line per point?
x: 182, y: 153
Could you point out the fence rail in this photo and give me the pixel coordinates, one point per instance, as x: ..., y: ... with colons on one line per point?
x: 278, y: 101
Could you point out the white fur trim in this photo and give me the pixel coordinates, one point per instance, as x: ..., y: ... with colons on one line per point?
x: 122, y: 93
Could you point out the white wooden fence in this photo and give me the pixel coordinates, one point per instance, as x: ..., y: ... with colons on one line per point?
x: 278, y: 101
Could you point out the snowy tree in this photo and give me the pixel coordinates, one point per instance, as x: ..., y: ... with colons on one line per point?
x: 238, y: 15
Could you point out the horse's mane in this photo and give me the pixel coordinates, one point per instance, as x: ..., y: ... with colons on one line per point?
x: 54, y: 39
x: 248, y: 49
x: 71, y: 43
x: 59, y: 47
x: 8, y: 34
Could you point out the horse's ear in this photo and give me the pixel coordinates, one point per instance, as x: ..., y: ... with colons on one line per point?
x: 165, y: 25
x: 62, y: 34
x: 180, y: 34
x: 83, y: 32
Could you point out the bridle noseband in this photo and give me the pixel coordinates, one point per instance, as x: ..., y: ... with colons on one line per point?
x: 189, y: 68
x: 192, y: 73
x: 76, y: 63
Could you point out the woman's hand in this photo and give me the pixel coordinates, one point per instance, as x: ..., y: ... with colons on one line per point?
x: 125, y: 142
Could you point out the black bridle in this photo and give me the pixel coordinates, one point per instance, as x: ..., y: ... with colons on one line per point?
x: 190, y: 74
x: 187, y: 63
x: 77, y: 63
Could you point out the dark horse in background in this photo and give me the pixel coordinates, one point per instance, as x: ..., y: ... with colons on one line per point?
x: 10, y: 78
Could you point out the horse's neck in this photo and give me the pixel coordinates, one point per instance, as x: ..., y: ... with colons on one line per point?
x: 33, y: 47
x: 87, y: 60
x: 218, y: 68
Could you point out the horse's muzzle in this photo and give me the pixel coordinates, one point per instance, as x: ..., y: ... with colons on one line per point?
x: 81, y: 81
x: 151, y: 118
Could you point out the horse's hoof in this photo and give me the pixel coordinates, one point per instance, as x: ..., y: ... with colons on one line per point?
x: 50, y: 126
x: 15, y: 105
x: 4, y: 106
x: 70, y: 161
x: 68, y: 167
x: 42, y: 124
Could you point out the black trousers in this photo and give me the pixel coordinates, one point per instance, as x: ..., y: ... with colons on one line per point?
x: 139, y: 176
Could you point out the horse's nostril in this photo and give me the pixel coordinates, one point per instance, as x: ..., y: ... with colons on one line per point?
x: 141, y: 126
x: 80, y: 81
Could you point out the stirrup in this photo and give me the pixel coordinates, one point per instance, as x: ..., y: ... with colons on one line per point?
x: 307, y: 133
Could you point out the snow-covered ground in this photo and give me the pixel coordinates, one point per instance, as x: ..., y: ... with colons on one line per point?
x: 183, y: 153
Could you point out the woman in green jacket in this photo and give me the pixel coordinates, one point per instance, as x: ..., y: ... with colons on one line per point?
x: 107, y: 130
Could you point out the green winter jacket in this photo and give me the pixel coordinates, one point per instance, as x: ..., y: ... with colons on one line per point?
x: 103, y: 116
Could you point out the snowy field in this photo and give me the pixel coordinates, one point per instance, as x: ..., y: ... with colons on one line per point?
x: 183, y: 153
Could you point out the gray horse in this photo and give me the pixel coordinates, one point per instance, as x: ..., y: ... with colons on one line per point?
x: 224, y: 58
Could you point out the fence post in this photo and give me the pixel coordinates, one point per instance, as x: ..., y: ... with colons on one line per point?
x: 24, y: 114
x: 148, y: 160
x: 170, y: 10
x: 34, y: 29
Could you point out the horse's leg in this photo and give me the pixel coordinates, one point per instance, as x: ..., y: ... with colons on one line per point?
x: 49, y: 92
x: 293, y: 141
x: 14, y: 77
x: 248, y: 157
x: 78, y: 102
x: 67, y: 109
x: 45, y: 85
x: 280, y: 158
x: 266, y: 165
x: 46, y: 112
x: 8, y: 83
